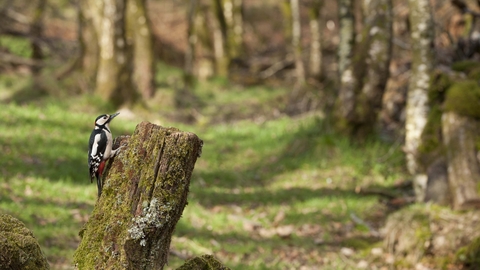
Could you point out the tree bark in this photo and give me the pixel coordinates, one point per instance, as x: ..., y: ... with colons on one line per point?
x: 378, y: 44
x: 107, y: 57
x: 89, y: 21
x: 144, y: 194
x: 346, y: 95
x: 364, y: 74
x: 459, y: 134
x: 422, y: 34
x: 140, y: 39
x: 114, y: 77
x: 36, y: 29
x: 189, y: 69
x: 316, y: 30
x: 296, y: 42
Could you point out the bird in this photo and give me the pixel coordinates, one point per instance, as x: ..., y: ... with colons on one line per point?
x: 100, y: 148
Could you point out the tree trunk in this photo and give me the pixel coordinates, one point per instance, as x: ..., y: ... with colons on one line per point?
x: 316, y: 30
x: 189, y: 69
x: 346, y: 95
x: 205, y: 53
x: 139, y: 37
x: 216, y: 23
x: 89, y: 22
x: 422, y: 34
x: 114, y: 77
x: 365, y: 74
x: 107, y: 58
x: 36, y: 29
x: 144, y: 194
x: 460, y: 135
x: 378, y: 44
x: 296, y: 42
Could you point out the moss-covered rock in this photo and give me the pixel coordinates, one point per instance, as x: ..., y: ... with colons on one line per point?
x: 204, y: 262
x: 469, y: 255
x: 18, y: 247
x: 415, y: 233
x: 463, y: 97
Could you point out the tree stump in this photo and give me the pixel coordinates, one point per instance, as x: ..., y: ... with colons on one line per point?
x: 459, y: 133
x: 18, y: 247
x: 144, y: 194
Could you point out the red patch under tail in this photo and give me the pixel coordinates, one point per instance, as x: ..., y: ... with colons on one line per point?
x: 100, y: 168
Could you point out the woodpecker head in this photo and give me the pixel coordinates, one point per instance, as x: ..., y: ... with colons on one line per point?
x: 104, y: 119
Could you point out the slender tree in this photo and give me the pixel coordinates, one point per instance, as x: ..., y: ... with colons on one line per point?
x: 346, y: 95
x: 316, y: 29
x: 422, y: 34
x: 189, y: 73
x: 296, y: 42
x: 139, y: 37
x: 36, y: 29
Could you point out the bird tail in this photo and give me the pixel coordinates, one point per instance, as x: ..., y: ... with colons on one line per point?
x: 99, y: 185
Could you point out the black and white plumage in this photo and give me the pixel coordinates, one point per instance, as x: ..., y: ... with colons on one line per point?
x: 100, y: 148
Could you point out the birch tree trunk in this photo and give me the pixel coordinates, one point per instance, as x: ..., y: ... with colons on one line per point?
x: 145, y: 192
x: 422, y: 34
x: 346, y: 95
x: 316, y: 30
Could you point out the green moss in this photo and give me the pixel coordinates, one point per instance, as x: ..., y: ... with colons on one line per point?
x: 431, y: 141
x: 18, y: 247
x: 464, y: 98
x: 204, y: 262
x: 469, y: 255
x: 439, y: 83
x: 474, y: 74
x: 465, y: 66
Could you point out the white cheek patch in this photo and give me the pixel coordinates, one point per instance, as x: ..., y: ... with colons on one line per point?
x: 101, y: 121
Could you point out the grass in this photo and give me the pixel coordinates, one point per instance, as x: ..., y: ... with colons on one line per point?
x: 267, y: 193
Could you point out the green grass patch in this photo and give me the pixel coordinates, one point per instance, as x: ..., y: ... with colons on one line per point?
x: 269, y: 192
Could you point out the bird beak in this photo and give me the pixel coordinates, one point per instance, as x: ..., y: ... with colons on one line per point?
x: 113, y: 116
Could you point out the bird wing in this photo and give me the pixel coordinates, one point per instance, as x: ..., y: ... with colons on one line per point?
x: 95, y: 152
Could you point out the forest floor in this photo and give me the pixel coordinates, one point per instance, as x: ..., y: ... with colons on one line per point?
x: 269, y: 192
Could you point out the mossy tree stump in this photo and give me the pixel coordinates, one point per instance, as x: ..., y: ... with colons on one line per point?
x: 459, y: 135
x: 144, y: 194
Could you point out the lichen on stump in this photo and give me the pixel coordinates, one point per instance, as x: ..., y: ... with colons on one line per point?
x: 18, y: 247
x: 144, y: 194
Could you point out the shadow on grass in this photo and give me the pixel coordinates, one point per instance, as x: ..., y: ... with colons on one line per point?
x: 312, y: 146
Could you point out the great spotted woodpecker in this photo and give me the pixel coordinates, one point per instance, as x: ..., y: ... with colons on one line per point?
x: 100, y: 148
